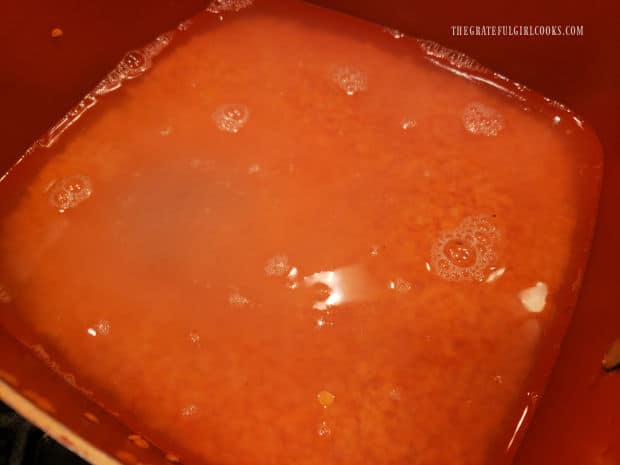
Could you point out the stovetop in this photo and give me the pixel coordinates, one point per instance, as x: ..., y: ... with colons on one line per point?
x: 22, y: 443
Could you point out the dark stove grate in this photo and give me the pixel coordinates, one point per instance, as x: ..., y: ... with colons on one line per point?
x: 21, y: 443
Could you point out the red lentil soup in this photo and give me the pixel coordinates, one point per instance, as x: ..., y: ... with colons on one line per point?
x: 303, y: 238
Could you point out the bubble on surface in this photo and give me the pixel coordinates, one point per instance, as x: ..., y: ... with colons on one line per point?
x: 324, y: 430
x: 189, y: 410
x: 468, y: 252
x: 408, y: 123
x: 135, y: 63
x: 394, y: 32
x: 185, y: 25
x: 460, y: 252
x: 231, y: 117
x: 557, y: 119
x: 322, y: 322
x: 69, y: 192
x: 453, y: 57
x: 350, y: 80
x: 400, y: 285
x: 194, y: 337
x: 534, y: 298
x: 66, y: 121
x: 219, y: 6
x: 166, y: 131
x: 132, y: 65
x: 112, y: 81
x: 161, y: 42
x: 325, y: 398
x: 237, y: 299
x: 277, y: 266
x: 5, y: 297
x: 555, y: 104
x: 480, y: 119
x: 101, y: 328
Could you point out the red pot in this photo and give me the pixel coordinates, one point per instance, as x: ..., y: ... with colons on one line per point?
x: 578, y: 419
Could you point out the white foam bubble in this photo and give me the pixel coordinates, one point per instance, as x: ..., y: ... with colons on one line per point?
x: 135, y: 63
x: 394, y: 32
x: 350, y: 80
x: 468, y: 252
x: 69, y: 192
x: 277, y: 266
x: 220, y: 6
x: 453, y: 57
x: 555, y: 104
x: 254, y: 168
x: 324, y: 430
x: 189, y: 410
x: 408, y: 123
x: 131, y: 66
x: 534, y: 298
x: 101, y: 328
x: 480, y: 119
x: 194, y: 337
x: 237, y: 299
x: 231, y: 117
x: 185, y: 25
x: 166, y: 131
x: 66, y: 121
x: 400, y: 285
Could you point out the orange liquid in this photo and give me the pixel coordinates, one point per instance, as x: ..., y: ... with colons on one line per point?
x: 368, y: 259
